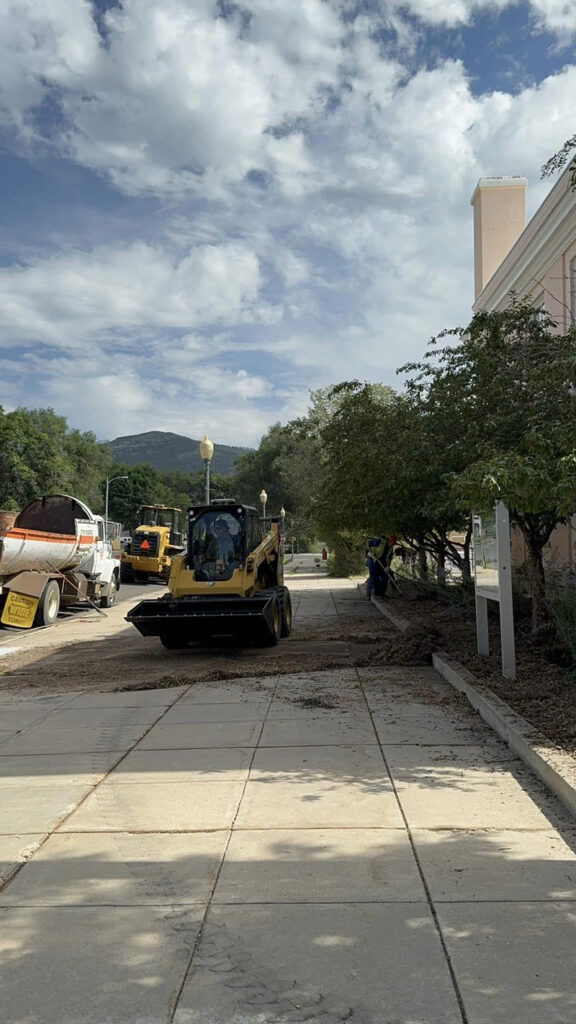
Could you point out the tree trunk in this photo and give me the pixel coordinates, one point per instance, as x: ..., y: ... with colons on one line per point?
x: 422, y: 562
x: 537, y: 531
x: 441, y: 566
x: 537, y: 581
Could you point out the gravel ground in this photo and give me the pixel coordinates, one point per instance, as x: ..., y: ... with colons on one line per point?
x: 88, y: 654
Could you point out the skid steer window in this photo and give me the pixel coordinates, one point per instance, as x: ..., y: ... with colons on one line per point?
x: 216, y: 545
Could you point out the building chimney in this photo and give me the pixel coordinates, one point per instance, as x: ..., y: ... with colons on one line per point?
x: 499, y: 220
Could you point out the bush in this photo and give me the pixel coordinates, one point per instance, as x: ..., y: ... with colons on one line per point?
x: 561, y: 605
x: 347, y: 557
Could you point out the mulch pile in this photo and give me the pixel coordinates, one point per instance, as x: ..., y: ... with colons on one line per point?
x: 544, y: 692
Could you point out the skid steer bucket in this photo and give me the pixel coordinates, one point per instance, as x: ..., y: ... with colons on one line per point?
x: 198, y: 618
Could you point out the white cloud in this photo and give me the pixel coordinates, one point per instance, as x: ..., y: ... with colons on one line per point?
x: 128, y: 401
x: 316, y: 222
x: 70, y: 299
x: 557, y: 15
x: 554, y: 15
x: 180, y: 100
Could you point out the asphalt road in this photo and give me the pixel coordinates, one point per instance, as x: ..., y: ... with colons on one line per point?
x: 130, y: 591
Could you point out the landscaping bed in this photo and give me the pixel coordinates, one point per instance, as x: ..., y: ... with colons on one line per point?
x: 544, y: 692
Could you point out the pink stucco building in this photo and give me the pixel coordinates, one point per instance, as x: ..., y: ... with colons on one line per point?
x: 537, y: 259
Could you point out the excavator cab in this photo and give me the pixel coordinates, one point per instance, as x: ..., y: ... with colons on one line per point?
x: 229, y: 582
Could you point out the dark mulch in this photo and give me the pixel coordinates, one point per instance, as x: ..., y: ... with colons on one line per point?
x: 544, y: 691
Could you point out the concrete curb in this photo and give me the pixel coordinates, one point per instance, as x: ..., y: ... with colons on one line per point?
x: 554, y: 768
x: 400, y: 623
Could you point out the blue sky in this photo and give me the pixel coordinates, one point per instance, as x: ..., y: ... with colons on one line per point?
x: 209, y: 208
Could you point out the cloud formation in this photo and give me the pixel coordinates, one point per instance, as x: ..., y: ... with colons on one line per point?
x: 302, y: 185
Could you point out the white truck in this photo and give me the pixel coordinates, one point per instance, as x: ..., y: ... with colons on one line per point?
x: 56, y: 554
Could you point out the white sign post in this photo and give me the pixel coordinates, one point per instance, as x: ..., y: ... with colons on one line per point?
x: 493, y: 580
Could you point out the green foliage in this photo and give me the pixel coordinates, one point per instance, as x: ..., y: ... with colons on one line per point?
x: 257, y: 470
x: 143, y: 486
x: 510, y: 386
x: 354, y: 460
x: 147, y: 486
x: 509, y: 383
x: 39, y: 455
x: 559, y: 160
x: 285, y: 465
x: 347, y: 554
x: 184, y: 489
x: 561, y: 604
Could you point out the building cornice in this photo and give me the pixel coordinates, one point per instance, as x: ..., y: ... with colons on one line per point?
x: 505, y: 181
x: 543, y: 240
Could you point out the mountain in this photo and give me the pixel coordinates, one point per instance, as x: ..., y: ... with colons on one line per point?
x: 171, y: 451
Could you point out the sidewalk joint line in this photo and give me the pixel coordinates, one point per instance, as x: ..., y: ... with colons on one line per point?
x: 172, y: 1009
x: 93, y: 788
x: 429, y: 900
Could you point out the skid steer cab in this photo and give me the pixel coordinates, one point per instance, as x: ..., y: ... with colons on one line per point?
x: 229, y: 583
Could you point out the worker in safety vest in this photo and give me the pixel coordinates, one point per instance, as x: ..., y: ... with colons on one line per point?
x: 375, y: 550
x: 379, y: 554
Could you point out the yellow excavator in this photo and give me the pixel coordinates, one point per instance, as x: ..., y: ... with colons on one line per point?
x: 229, y: 583
x: 153, y: 545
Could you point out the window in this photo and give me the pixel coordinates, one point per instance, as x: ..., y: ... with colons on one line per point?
x: 573, y: 290
x: 216, y: 544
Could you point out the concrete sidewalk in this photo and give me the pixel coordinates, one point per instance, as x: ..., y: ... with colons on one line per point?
x: 322, y: 847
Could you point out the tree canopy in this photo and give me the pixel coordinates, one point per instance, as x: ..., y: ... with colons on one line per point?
x: 558, y: 161
x: 487, y: 413
x: 40, y: 455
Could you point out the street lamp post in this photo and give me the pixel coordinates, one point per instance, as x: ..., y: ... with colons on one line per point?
x: 263, y: 500
x: 109, y: 480
x: 282, y: 519
x: 206, y: 453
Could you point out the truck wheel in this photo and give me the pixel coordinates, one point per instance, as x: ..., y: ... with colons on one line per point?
x: 108, y: 600
x: 172, y: 642
x: 286, y: 607
x: 49, y: 605
x: 126, y: 574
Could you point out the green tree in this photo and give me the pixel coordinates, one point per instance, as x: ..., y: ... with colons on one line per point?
x: 353, y: 481
x: 88, y: 463
x: 559, y: 160
x: 185, y: 489
x: 509, y: 385
x: 259, y: 469
x: 288, y: 464
x: 143, y: 486
x: 39, y: 455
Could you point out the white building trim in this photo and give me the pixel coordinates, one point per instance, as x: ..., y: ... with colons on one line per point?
x: 544, y: 240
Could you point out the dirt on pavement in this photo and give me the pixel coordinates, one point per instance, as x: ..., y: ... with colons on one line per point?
x: 125, y: 663
x: 543, y: 692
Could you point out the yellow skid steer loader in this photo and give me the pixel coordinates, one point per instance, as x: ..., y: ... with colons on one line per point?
x: 229, y: 583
